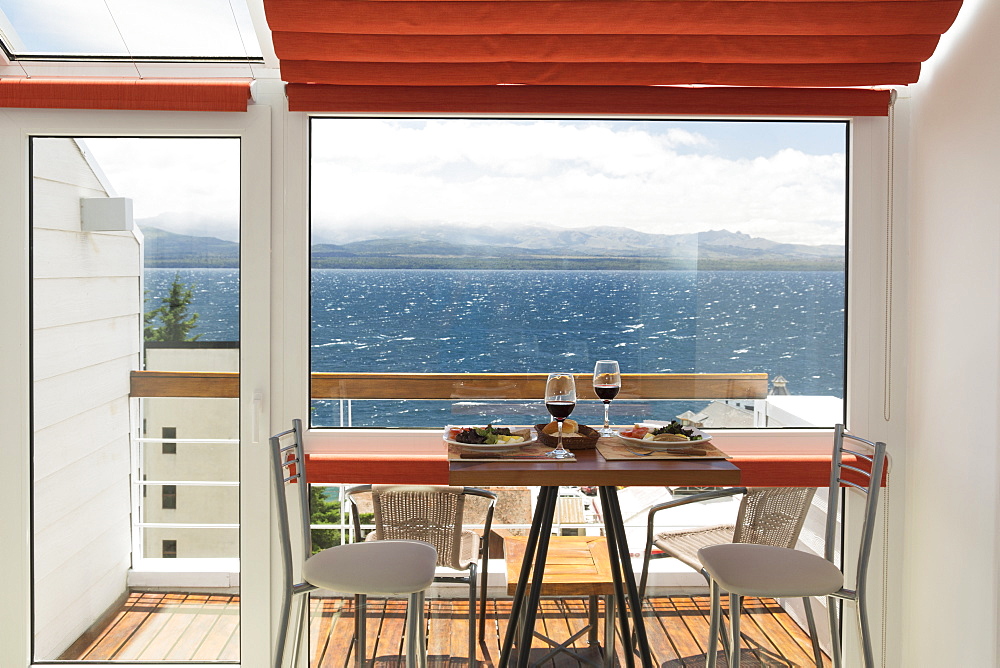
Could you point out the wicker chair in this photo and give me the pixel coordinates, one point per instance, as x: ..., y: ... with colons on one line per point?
x: 766, y: 516
x: 434, y: 514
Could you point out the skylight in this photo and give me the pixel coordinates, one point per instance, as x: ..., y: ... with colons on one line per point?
x: 128, y: 29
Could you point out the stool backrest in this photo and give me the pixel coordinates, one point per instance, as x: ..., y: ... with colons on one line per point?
x: 866, y: 478
x: 289, y: 478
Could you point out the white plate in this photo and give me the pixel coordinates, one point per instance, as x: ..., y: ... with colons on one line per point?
x: 667, y: 445
x: 491, y: 447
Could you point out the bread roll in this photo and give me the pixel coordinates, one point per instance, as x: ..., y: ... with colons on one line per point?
x: 570, y: 428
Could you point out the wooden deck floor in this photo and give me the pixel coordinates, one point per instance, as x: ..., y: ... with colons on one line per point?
x: 192, y: 627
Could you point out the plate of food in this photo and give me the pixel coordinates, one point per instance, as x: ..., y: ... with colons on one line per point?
x: 489, y: 438
x: 670, y: 436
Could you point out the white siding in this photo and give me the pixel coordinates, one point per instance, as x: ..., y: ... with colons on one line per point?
x: 87, y: 320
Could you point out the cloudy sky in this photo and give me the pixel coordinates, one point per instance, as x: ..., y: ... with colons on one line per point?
x: 781, y: 181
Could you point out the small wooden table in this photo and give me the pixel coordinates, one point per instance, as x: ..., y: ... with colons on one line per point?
x: 574, y: 566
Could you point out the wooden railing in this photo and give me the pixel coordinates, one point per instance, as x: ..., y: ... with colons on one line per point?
x: 458, y: 386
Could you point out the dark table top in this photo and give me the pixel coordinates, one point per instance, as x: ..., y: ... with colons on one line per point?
x: 590, y: 468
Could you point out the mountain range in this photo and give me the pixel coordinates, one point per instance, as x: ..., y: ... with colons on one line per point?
x: 537, y: 247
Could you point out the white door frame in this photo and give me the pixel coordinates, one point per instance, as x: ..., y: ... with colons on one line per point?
x: 253, y: 128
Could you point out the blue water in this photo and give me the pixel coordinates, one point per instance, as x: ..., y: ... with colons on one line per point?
x: 777, y: 322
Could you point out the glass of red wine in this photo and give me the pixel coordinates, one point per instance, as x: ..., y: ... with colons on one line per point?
x: 607, y: 383
x: 560, y: 400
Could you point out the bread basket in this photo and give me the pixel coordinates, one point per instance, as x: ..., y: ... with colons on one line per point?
x: 585, y: 440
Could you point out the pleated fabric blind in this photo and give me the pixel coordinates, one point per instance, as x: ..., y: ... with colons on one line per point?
x: 126, y: 94
x: 334, y: 52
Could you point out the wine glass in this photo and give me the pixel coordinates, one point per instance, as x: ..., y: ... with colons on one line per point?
x: 560, y: 400
x: 607, y: 382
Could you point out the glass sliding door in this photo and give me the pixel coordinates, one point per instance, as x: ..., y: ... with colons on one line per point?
x: 136, y: 362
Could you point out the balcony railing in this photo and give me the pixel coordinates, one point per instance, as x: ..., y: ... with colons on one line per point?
x: 458, y: 386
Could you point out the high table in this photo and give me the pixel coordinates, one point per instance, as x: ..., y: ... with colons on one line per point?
x: 758, y: 460
x: 589, y: 469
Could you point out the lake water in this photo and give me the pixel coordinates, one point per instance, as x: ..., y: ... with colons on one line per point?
x: 777, y: 322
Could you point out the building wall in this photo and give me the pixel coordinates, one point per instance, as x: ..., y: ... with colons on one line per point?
x: 198, y: 418
x: 86, y: 319
x: 948, y: 612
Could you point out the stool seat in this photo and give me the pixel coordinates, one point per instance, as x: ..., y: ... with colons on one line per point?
x: 385, y: 567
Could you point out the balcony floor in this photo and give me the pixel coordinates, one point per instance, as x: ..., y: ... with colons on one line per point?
x: 193, y: 627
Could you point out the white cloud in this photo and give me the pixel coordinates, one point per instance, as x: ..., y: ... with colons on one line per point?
x: 184, y: 182
x: 499, y: 173
x: 570, y: 175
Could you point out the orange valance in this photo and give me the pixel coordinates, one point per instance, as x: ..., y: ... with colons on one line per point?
x: 640, y: 100
x: 126, y: 94
x: 616, y: 44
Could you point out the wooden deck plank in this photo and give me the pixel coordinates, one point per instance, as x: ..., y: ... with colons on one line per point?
x: 119, y: 629
x: 179, y: 627
x: 389, y: 650
x: 800, y: 635
x: 459, y: 631
x: 224, y: 629
x: 203, y: 618
x: 178, y: 615
x: 498, y: 618
x: 763, y: 612
x: 686, y: 630
x: 341, y: 649
x: 440, y: 619
x: 324, y: 615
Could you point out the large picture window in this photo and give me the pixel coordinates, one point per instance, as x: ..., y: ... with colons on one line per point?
x: 470, y: 246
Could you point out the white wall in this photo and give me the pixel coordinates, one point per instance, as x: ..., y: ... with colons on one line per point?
x: 198, y: 418
x: 86, y: 328
x: 950, y: 567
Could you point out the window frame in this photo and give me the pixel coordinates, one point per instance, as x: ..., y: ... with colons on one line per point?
x: 866, y: 251
x: 17, y: 127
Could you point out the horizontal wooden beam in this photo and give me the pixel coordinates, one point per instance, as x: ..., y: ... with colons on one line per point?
x: 212, y: 384
x: 459, y: 386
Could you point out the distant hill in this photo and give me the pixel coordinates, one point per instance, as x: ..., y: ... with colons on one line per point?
x: 167, y: 249
x: 448, y: 247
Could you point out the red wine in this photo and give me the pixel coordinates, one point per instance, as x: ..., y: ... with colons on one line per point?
x: 606, y: 392
x: 560, y: 410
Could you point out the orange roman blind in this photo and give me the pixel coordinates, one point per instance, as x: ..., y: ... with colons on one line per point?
x: 333, y: 52
x: 126, y: 94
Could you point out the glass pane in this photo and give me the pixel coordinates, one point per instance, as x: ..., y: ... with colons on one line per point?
x: 152, y: 522
x: 180, y: 28
x: 456, y: 246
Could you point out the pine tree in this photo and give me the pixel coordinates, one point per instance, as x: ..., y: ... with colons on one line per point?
x: 176, y: 322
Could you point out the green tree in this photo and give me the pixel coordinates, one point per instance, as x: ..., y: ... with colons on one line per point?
x: 324, y: 511
x: 176, y: 322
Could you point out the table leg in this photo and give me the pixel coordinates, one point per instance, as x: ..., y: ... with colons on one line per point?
x: 535, y: 590
x: 614, y: 516
x: 610, y: 531
x: 545, y: 507
x: 635, y: 601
